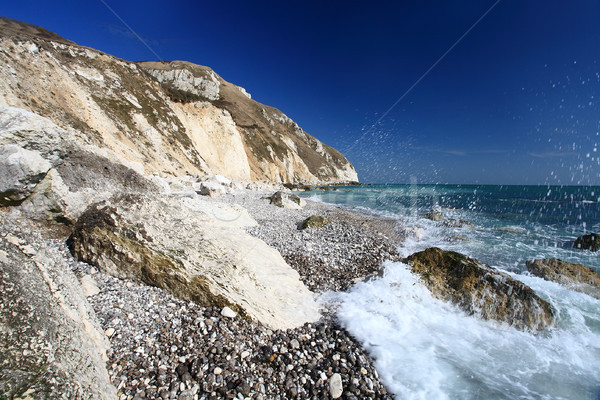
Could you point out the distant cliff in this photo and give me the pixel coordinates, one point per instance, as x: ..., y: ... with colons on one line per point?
x: 171, y: 117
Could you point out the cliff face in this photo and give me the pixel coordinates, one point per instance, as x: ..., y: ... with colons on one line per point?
x: 170, y: 117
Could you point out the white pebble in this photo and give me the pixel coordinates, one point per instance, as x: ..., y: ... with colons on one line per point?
x: 109, y: 332
x: 217, y: 371
x: 228, y: 312
x: 244, y: 354
x: 335, y: 386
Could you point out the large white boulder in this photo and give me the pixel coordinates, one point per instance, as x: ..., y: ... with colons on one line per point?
x: 20, y: 172
x: 165, y: 243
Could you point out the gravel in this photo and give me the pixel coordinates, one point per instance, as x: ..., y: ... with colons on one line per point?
x: 165, y: 348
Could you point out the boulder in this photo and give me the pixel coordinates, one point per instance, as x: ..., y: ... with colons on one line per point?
x: 589, y: 242
x: 164, y: 243
x: 285, y: 200
x: 480, y: 289
x: 211, y: 189
x: 456, y: 223
x: 575, y: 276
x: 315, y: 221
x: 20, y: 172
x: 51, y: 345
x: 433, y: 215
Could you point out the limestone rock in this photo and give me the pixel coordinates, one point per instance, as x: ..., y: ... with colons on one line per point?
x: 480, y: 289
x: 169, y: 117
x: 50, y: 341
x: 336, y: 389
x: 228, y: 312
x: 163, y: 243
x: 315, y: 221
x: 589, y: 242
x: 575, y: 276
x: 89, y: 286
x: 284, y: 200
x: 211, y: 189
x: 20, y: 172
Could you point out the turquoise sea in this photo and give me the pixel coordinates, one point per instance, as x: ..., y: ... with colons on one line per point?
x: 427, y: 349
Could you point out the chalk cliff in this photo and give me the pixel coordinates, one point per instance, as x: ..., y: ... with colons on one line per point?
x: 172, y: 118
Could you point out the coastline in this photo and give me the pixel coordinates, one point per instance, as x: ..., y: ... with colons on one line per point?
x: 162, y: 347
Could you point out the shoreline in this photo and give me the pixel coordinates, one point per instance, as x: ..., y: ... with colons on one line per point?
x: 162, y: 347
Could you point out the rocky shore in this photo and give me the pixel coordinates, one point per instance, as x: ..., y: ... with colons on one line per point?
x: 166, y: 348
x: 162, y: 347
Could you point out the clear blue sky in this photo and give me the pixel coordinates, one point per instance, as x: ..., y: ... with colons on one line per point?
x: 516, y: 101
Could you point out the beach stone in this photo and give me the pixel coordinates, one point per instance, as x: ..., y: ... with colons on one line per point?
x: 480, y: 289
x: 336, y: 389
x: 575, y: 276
x: 20, y: 172
x: 283, y: 200
x: 211, y: 189
x: 228, y: 312
x: 89, y: 286
x: 315, y: 221
x: 589, y: 242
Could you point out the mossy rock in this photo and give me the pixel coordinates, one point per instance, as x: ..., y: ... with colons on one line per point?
x: 481, y: 290
x: 315, y: 221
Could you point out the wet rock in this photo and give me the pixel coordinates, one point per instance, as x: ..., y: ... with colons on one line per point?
x: 589, y: 242
x: 433, y: 215
x: 456, y: 223
x: 575, y: 276
x: 20, y: 172
x: 480, y: 289
x: 315, y: 221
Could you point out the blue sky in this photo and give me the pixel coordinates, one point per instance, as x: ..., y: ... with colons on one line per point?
x: 515, y: 102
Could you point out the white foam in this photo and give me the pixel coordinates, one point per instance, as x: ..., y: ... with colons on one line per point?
x: 428, y: 349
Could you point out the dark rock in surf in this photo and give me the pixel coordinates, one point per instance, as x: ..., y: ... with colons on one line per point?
x: 480, y: 289
x: 589, y: 242
x: 433, y: 215
x: 575, y: 276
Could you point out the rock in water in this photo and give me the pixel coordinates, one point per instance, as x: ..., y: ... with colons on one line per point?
x: 20, y: 172
x: 315, y: 221
x: 170, y: 244
x: 480, y: 289
x: 589, y: 242
x: 575, y: 276
x: 433, y: 215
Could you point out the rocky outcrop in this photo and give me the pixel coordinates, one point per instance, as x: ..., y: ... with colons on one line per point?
x: 171, y: 244
x: 172, y: 118
x: 575, y: 276
x: 480, y: 289
x: 589, y: 242
x: 51, y: 345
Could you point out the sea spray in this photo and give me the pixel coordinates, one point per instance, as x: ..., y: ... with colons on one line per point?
x: 425, y: 348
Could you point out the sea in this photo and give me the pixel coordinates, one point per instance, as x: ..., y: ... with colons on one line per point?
x: 425, y: 348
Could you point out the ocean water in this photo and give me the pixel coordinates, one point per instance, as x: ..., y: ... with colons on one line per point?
x: 427, y: 349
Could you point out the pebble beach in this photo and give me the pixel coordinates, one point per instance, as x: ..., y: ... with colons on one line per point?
x: 165, y: 348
